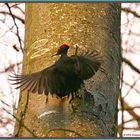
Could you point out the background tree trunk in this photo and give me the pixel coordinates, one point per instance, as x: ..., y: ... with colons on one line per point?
x: 92, y: 26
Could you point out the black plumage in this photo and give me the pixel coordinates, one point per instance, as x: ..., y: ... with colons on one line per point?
x: 64, y: 77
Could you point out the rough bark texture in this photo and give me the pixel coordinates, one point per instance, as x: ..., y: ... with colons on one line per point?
x: 90, y: 26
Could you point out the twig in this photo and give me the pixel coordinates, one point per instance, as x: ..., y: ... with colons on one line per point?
x: 10, y: 67
x: 21, y: 123
x: 17, y: 17
x: 9, y: 8
x: 131, y: 11
x: 131, y: 65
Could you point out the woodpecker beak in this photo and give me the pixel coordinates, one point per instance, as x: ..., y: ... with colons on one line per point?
x: 55, y: 54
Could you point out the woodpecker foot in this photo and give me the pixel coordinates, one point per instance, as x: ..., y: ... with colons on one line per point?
x: 71, y: 97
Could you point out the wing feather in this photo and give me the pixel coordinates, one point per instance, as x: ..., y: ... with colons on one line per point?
x: 86, y: 65
x: 32, y: 82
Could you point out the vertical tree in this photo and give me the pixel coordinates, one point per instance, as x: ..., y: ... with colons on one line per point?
x: 92, y: 26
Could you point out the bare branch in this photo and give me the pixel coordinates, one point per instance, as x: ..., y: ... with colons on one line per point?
x: 11, y: 67
x: 9, y: 8
x: 17, y: 17
x: 21, y: 123
x: 131, y: 11
x: 131, y: 65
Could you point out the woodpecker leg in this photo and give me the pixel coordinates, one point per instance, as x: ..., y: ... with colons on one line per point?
x: 46, y: 99
x: 71, y: 96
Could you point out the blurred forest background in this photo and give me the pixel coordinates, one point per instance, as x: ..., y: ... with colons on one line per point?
x: 12, y: 23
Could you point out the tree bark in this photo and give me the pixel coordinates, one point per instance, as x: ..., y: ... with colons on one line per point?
x: 92, y: 26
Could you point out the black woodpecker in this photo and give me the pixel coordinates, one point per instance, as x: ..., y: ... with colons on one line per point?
x: 64, y: 77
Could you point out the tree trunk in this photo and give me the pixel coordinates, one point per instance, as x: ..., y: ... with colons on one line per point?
x: 92, y: 26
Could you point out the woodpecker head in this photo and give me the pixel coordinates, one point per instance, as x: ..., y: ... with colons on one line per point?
x: 63, y: 49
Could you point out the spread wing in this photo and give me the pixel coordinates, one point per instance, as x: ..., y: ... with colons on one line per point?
x: 62, y: 78
x: 35, y: 82
x: 57, y: 79
x: 87, y: 64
